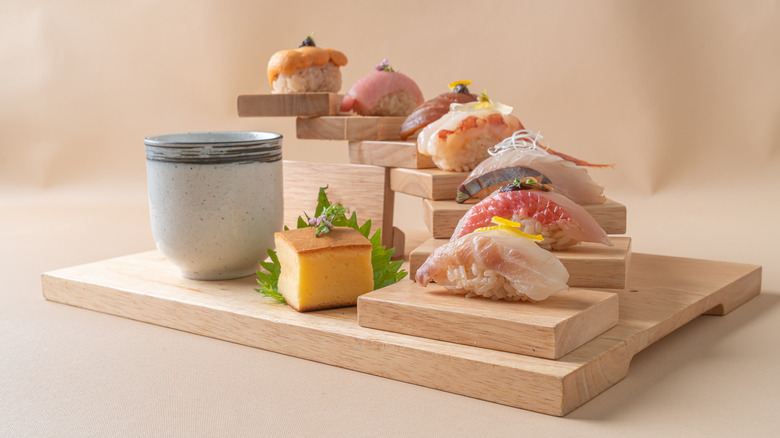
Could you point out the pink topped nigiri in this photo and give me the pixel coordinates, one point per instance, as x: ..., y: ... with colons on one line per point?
x: 559, y: 220
x: 384, y: 92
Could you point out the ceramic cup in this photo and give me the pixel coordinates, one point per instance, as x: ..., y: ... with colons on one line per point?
x: 215, y: 200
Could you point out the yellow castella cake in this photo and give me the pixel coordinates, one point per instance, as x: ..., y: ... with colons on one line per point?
x: 331, y: 270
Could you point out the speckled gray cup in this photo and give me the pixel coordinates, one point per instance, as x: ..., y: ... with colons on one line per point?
x: 215, y: 200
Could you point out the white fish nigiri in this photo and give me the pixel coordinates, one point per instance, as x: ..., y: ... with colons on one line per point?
x: 495, y: 264
x: 520, y: 156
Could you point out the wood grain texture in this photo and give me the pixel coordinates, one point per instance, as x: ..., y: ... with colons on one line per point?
x: 426, y: 183
x: 399, y: 243
x: 352, y: 128
x: 549, y: 329
x: 662, y: 294
x: 389, y: 154
x: 289, y: 105
x: 371, y: 199
x: 441, y: 217
x: 590, y: 265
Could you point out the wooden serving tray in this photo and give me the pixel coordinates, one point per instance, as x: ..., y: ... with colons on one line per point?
x: 441, y: 217
x: 289, y: 105
x: 589, y: 264
x: 663, y: 293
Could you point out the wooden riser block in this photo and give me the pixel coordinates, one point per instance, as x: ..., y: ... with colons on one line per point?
x: 663, y: 294
x: 351, y: 128
x: 433, y: 184
x: 441, y: 217
x: 549, y: 329
x: 389, y: 154
x: 399, y: 243
x: 289, y: 105
x: 371, y: 199
x: 590, y: 265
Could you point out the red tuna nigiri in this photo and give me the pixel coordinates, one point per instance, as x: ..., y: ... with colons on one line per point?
x: 559, y: 220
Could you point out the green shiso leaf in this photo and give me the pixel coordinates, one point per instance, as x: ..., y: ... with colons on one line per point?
x: 269, y: 279
x: 322, y: 201
x: 386, y: 272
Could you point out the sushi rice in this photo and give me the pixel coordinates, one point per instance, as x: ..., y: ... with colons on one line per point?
x: 480, y: 282
x: 555, y: 238
x: 325, y: 78
x: 394, y: 104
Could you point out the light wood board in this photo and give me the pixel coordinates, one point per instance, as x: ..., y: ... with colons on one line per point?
x: 589, y: 264
x: 352, y: 128
x: 289, y: 105
x: 371, y: 199
x: 427, y: 183
x: 441, y: 217
x: 549, y: 329
x: 663, y: 293
x: 389, y: 154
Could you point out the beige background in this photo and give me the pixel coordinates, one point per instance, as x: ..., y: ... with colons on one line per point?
x: 682, y: 95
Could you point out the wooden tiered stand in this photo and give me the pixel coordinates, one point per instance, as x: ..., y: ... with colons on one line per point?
x: 549, y: 357
x: 375, y: 141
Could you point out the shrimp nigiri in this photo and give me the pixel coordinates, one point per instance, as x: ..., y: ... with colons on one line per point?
x: 496, y: 264
x: 521, y: 156
x: 460, y: 139
x: 559, y: 220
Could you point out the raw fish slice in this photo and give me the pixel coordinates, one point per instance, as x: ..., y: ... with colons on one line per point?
x: 497, y: 264
x: 575, y: 160
x: 476, y: 183
x: 561, y: 221
x: 366, y: 95
x: 513, y: 157
x: 432, y: 110
x: 460, y: 140
x: 565, y: 177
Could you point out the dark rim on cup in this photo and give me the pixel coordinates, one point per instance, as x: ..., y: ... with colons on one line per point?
x: 217, y: 147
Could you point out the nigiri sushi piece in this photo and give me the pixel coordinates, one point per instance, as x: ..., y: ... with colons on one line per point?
x: 495, y: 264
x: 460, y: 139
x: 434, y: 109
x: 520, y: 156
x: 306, y: 69
x: 384, y: 92
x: 558, y: 219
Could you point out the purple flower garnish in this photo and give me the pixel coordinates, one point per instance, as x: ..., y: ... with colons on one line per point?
x: 384, y: 66
x: 322, y: 224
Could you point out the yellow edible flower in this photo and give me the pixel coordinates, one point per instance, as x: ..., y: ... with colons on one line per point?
x: 456, y: 83
x: 506, y: 224
x: 484, y: 101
